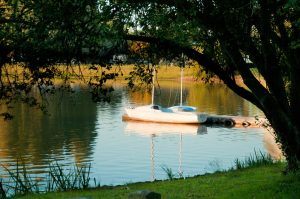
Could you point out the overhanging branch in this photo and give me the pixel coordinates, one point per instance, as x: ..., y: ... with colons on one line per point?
x: 203, y: 60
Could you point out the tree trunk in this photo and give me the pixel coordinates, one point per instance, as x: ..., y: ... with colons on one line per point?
x: 2, y: 191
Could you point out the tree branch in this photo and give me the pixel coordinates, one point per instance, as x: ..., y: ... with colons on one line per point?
x: 203, y: 60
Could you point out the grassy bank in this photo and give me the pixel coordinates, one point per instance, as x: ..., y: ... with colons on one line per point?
x: 257, y: 182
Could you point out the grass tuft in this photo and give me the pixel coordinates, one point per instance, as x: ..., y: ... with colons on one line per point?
x: 61, y: 179
x: 170, y: 174
x: 21, y: 182
x: 258, y: 159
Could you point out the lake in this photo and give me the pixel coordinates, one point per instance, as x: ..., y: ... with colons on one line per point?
x: 77, y: 130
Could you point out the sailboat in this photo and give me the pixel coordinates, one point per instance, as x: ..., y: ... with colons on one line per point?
x: 155, y: 113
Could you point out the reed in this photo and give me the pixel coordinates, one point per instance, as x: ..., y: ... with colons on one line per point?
x: 254, y: 160
x: 62, y: 179
x: 20, y: 181
x: 169, y: 172
x: 171, y: 175
x: 58, y: 178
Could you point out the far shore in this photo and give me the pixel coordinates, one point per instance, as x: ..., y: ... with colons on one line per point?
x: 81, y: 74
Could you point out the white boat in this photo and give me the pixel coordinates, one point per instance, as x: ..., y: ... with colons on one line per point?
x: 155, y: 113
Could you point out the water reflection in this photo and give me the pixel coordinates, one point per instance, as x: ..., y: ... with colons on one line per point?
x: 152, y: 130
x: 271, y: 146
x: 38, y: 139
x: 148, y: 128
x: 78, y: 130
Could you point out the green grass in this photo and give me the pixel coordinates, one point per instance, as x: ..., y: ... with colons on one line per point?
x: 266, y: 181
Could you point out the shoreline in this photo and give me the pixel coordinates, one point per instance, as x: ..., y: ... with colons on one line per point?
x: 265, y: 181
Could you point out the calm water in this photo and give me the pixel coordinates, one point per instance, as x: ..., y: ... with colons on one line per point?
x: 80, y: 131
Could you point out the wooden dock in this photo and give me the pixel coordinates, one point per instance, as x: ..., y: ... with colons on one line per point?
x: 227, y: 120
x: 235, y: 121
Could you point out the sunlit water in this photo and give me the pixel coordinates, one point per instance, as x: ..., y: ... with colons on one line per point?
x: 80, y: 131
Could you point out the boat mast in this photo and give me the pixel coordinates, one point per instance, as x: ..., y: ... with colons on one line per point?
x: 153, y: 80
x: 181, y: 77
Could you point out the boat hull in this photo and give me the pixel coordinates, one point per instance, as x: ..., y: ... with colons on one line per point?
x: 152, y: 115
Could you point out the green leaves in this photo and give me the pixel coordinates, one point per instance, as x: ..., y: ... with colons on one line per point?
x: 142, y: 74
x: 36, y: 35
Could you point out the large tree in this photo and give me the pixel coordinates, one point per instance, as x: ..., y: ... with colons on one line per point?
x: 258, y: 40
